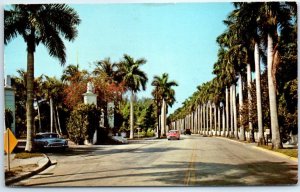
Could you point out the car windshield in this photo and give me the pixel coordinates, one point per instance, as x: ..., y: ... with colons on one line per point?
x: 173, y: 131
x: 43, y: 136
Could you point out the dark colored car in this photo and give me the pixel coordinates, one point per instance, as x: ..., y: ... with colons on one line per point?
x: 187, y: 132
x: 50, y: 141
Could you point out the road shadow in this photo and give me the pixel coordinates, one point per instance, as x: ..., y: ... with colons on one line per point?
x: 197, y: 174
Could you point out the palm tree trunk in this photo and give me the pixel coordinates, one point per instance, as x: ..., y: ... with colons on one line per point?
x: 234, y: 112
x: 131, y: 114
x: 261, y: 138
x: 215, y: 119
x: 195, y: 120
x: 223, y: 121
x: 29, y: 100
x: 276, y: 140
x: 227, y: 112
x: 58, y: 121
x: 210, y: 118
x: 207, y: 119
x: 231, y: 111
x: 249, y: 80
x: 158, y: 121
x: 163, y: 117
x: 192, y: 122
x: 51, y: 115
x: 39, y: 114
x: 242, y: 128
x: 219, y: 121
x: 201, y: 122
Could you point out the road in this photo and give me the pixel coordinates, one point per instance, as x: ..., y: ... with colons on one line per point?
x: 192, y: 161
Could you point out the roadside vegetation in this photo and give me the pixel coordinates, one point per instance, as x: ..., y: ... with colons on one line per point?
x: 25, y: 155
x: 55, y: 104
x: 288, y: 152
x: 259, y: 36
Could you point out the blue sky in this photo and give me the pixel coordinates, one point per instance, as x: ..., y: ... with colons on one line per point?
x: 179, y: 39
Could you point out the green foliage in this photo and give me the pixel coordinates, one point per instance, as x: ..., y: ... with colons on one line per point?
x: 19, y: 84
x: 144, y: 113
x: 83, y: 122
x: 150, y: 133
x: 287, y: 108
x: 125, y: 112
x: 9, y: 118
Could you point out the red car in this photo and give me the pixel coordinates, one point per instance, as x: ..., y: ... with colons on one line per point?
x: 173, y: 134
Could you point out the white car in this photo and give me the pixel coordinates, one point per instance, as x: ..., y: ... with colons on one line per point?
x: 50, y: 141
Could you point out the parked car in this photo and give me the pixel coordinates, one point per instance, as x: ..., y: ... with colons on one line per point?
x: 187, y: 132
x: 50, y: 141
x: 173, y: 134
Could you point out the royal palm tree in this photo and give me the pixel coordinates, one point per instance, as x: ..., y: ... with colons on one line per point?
x: 107, y: 70
x: 246, y: 16
x: 164, y: 94
x: 264, y: 20
x: 134, y: 79
x: 39, y: 23
x: 52, y: 88
x: 225, y: 72
x: 274, y: 17
x: 72, y: 73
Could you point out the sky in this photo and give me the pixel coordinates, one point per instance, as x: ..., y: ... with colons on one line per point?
x: 176, y: 38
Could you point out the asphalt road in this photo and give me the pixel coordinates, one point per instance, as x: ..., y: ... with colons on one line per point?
x: 191, y: 161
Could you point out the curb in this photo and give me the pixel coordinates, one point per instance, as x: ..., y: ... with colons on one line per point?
x: 228, y: 139
x: 41, y: 167
x: 276, y: 153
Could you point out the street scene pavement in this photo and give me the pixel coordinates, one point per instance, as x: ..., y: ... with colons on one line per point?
x: 192, y: 161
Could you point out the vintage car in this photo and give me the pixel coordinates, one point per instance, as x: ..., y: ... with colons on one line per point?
x: 50, y: 141
x: 187, y: 132
x: 173, y: 134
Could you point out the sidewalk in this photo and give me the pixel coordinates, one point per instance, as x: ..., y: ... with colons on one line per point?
x: 24, y: 168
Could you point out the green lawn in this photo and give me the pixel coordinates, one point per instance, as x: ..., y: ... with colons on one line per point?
x: 288, y: 152
x: 25, y: 155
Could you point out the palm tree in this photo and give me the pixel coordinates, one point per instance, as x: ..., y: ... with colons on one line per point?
x: 52, y: 88
x: 275, y: 16
x: 267, y: 19
x: 107, y: 70
x: 72, y: 73
x: 39, y: 23
x: 134, y: 78
x: 164, y: 95
x: 241, y: 104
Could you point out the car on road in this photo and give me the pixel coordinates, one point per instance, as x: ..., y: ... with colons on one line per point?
x: 187, y: 132
x: 50, y: 141
x: 173, y: 134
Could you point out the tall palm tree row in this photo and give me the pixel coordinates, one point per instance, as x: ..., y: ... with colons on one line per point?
x: 39, y: 23
x: 164, y: 96
x: 254, y: 33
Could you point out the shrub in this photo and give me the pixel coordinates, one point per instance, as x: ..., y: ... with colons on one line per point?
x: 150, y: 133
x: 83, y: 122
x: 9, y: 118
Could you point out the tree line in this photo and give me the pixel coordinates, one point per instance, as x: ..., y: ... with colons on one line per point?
x: 257, y: 32
x: 49, y: 24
